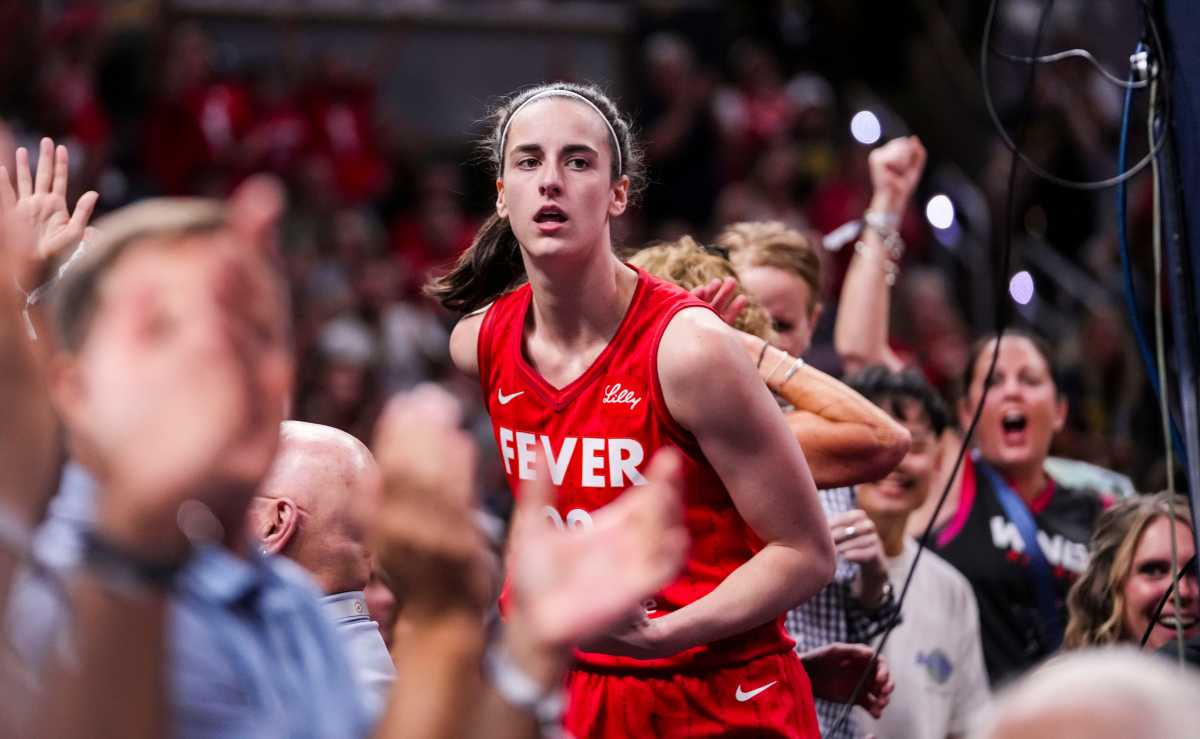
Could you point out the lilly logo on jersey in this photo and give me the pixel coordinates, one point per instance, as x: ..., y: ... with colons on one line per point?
x: 602, y: 462
x: 622, y: 396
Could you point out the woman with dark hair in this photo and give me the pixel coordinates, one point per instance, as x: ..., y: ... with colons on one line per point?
x: 1020, y: 538
x: 594, y: 366
x: 1116, y: 598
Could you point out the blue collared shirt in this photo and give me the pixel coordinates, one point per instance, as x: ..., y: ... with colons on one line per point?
x: 250, y: 653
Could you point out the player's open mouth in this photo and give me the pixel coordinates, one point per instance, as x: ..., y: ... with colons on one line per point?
x: 550, y: 214
x: 550, y: 219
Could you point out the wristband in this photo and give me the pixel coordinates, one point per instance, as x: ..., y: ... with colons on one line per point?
x: 125, y: 571
x: 882, y: 219
x: 762, y: 354
x: 791, y: 371
x: 891, y: 269
x: 775, y: 369
x: 521, y: 691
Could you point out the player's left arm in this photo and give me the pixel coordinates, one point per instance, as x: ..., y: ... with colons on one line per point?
x: 711, y: 388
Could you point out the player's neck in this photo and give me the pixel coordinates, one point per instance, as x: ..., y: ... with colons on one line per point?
x: 576, y: 306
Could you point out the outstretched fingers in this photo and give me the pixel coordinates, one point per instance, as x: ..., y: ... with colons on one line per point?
x: 45, y: 167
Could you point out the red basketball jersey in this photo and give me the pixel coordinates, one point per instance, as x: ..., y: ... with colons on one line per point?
x: 597, y: 435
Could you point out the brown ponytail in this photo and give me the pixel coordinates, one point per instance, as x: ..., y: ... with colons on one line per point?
x: 490, y: 267
x: 492, y: 264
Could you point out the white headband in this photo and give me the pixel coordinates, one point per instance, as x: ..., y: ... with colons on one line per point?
x: 560, y: 92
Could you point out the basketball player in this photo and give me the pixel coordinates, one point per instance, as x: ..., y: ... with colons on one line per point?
x: 594, y: 366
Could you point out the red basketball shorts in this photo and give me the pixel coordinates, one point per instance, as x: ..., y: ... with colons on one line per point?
x: 766, y: 697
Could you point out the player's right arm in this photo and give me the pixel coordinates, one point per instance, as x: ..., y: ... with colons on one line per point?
x: 464, y: 342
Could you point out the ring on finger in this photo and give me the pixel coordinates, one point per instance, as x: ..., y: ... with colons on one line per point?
x: 851, y: 531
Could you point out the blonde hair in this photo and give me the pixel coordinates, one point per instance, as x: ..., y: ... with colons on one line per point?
x: 1096, y: 602
x: 774, y: 244
x: 686, y: 263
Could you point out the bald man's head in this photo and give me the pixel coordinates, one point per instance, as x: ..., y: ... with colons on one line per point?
x: 312, y: 506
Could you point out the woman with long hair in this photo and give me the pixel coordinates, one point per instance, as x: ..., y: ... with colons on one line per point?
x: 593, y: 367
x: 1130, y: 571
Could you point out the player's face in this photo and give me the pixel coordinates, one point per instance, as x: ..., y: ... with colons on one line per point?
x: 1023, y: 410
x: 1148, y: 579
x: 908, y: 485
x: 789, y: 301
x: 557, y: 189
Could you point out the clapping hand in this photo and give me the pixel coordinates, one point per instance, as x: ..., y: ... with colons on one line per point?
x: 575, y: 585
x: 424, y: 533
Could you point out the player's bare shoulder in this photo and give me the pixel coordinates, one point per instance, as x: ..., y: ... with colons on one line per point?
x: 464, y: 341
x: 698, y: 357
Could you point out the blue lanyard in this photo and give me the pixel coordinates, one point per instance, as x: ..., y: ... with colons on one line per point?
x: 1043, y: 582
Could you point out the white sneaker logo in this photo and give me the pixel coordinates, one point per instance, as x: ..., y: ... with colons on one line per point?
x: 506, y: 399
x: 742, y: 697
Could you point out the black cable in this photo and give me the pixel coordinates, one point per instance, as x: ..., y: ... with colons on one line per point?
x: 1003, y: 311
x: 1162, y: 602
x: 1016, y: 150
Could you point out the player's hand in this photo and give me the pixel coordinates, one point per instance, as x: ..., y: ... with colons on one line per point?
x: 835, y: 670
x: 722, y: 295
x: 856, y: 539
x: 896, y: 169
x: 424, y: 534
x: 571, y: 586
x: 40, y: 203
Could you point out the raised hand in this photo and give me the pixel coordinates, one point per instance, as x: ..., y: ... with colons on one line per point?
x: 572, y: 586
x: 836, y: 669
x: 896, y: 169
x: 722, y: 296
x: 424, y: 533
x: 40, y: 202
x: 856, y: 539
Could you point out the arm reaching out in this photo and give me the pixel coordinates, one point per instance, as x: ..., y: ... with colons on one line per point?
x: 846, y: 438
x: 860, y: 332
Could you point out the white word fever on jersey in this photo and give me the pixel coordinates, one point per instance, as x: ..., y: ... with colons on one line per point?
x: 603, y: 462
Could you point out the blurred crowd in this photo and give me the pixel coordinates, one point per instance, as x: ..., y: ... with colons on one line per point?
x: 759, y: 132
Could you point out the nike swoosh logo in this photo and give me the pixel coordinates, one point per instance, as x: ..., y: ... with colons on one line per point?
x: 742, y: 697
x: 506, y: 399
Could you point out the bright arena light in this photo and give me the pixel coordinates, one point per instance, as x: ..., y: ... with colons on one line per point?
x: 865, y: 128
x: 939, y: 211
x: 1020, y: 287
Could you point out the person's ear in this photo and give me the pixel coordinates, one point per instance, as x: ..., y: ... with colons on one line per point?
x: 501, y: 206
x: 620, y: 197
x: 278, y: 521
x: 1060, y: 413
x: 67, y: 389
